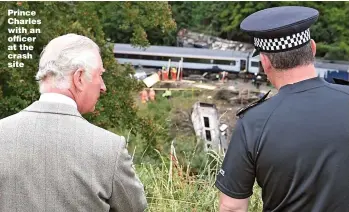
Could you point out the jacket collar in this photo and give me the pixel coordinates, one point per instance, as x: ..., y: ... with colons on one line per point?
x: 53, y: 108
x: 303, y: 85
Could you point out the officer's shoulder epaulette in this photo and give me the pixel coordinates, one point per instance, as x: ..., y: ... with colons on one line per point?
x: 251, y: 105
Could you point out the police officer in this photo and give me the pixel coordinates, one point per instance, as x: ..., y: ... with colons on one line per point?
x: 296, y: 143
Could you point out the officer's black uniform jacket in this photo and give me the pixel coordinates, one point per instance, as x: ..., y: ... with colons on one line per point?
x: 296, y: 145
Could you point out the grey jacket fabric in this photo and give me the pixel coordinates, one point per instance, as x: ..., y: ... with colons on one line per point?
x: 51, y: 159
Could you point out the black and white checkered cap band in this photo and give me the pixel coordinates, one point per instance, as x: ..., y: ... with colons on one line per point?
x: 283, y: 43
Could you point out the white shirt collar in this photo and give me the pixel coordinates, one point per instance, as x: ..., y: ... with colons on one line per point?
x: 57, y: 98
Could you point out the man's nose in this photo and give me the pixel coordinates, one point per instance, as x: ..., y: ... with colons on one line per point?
x: 103, y: 88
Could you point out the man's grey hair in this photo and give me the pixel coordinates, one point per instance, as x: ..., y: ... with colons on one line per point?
x: 290, y: 59
x: 62, y: 57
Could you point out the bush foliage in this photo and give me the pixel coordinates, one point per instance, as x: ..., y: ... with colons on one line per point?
x: 116, y: 109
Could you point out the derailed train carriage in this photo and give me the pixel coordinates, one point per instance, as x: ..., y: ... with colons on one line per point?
x: 199, y: 61
x: 332, y: 69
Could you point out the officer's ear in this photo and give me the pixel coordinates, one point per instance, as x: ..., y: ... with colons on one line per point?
x: 265, y: 63
x: 313, y: 46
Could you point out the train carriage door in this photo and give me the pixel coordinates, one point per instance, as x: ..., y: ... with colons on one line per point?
x: 261, y: 69
x: 242, y: 65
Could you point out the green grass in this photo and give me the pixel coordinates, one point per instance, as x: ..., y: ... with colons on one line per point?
x: 170, y: 187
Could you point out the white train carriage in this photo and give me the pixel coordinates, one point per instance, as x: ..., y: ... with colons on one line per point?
x: 193, y: 59
x: 332, y: 69
x: 208, y: 60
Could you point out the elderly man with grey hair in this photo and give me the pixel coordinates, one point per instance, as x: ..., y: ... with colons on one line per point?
x: 51, y: 158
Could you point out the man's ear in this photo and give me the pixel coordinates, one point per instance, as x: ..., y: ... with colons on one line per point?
x: 78, y: 79
x: 265, y: 62
x: 313, y: 46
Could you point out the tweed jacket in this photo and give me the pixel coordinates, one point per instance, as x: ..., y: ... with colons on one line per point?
x: 52, y: 159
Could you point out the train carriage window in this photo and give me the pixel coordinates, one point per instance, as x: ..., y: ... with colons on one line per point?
x: 174, y: 59
x: 206, y: 122
x: 254, y: 64
x: 148, y: 57
x: 208, y: 135
x: 225, y: 62
x: 143, y: 57
x: 120, y: 55
x: 134, y: 56
x: 196, y: 60
x: 164, y: 58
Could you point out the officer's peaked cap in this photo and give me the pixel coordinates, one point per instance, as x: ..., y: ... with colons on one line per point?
x: 280, y: 29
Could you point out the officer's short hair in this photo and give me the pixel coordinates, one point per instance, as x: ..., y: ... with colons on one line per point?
x: 290, y: 59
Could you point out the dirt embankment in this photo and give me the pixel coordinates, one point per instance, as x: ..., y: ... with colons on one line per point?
x: 228, y: 98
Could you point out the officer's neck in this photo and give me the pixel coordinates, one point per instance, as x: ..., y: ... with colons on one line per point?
x: 294, y: 75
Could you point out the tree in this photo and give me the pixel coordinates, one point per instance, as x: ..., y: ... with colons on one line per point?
x: 116, y: 109
x: 133, y: 22
x: 223, y: 19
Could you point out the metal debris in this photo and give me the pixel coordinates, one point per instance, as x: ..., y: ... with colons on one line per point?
x: 188, y: 38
